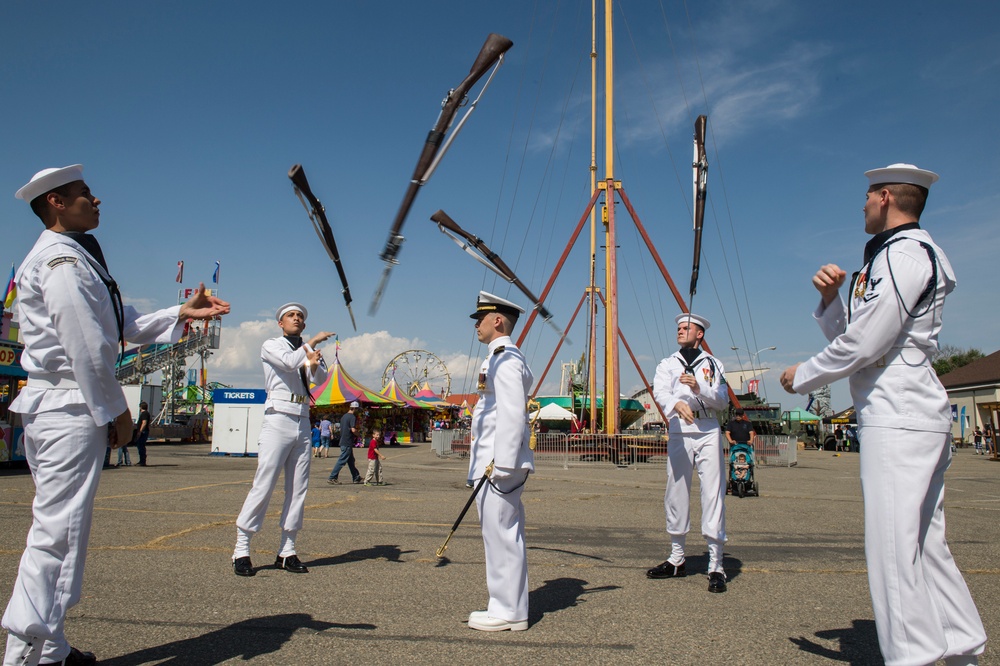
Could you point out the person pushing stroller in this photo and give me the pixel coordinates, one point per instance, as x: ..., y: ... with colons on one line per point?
x: 741, y: 436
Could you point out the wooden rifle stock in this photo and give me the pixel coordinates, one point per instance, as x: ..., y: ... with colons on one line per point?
x: 489, y: 55
x: 318, y: 215
x: 700, y: 167
x: 501, y: 268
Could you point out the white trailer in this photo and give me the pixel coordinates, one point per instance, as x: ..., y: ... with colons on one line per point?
x: 239, y: 415
x: 151, y: 394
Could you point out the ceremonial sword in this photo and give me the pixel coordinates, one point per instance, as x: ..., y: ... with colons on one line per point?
x: 486, y: 477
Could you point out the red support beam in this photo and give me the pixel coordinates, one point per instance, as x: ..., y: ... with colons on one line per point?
x: 558, y: 346
x: 559, y: 265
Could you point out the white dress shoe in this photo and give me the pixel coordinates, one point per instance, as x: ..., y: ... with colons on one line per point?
x: 487, y: 623
x: 478, y: 615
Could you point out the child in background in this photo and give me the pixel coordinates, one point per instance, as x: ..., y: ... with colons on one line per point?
x: 375, y: 458
x: 315, y: 440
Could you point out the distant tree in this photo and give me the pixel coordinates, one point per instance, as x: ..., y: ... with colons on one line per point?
x: 951, y: 358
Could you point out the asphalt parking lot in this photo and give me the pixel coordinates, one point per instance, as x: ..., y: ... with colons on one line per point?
x: 159, y: 587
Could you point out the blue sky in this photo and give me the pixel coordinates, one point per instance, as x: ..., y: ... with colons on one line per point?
x: 187, y: 117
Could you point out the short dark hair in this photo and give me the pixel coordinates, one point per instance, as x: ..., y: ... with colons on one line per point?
x: 39, y: 205
x: 910, y: 199
x: 143, y: 405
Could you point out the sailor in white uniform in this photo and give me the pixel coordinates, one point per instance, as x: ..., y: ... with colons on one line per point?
x: 285, y: 442
x: 501, y: 439
x: 74, y: 325
x: 884, y: 339
x: 690, y: 387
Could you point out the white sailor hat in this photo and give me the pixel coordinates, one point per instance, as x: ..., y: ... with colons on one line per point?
x: 47, y: 180
x: 488, y: 303
x: 355, y: 404
x: 694, y: 319
x: 902, y: 173
x: 288, y: 307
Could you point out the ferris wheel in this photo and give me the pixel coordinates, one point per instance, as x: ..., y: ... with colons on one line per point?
x: 415, y: 367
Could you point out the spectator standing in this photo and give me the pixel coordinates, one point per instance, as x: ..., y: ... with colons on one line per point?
x: 375, y: 458
x: 123, y: 454
x: 315, y: 439
x: 740, y: 430
x: 142, y: 432
x: 325, y: 432
x: 348, y: 436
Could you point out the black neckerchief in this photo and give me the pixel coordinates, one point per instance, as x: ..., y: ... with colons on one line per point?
x: 296, y: 342
x: 93, y: 248
x: 89, y: 244
x: 879, y: 239
x: 690, y: 355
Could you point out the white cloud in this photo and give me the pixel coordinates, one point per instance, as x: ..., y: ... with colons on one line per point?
x: 140, y: 304
x: 364, y: 356
x: 237, y: 361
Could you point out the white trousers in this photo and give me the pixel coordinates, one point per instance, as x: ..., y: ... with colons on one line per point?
x: 685, y: 452
x: 65, y: 451
x: 284, y: 445
x: 923, y: 609
x: 501, y: 517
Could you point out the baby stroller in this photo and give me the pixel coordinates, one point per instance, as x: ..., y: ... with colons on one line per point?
x: 741, y: 481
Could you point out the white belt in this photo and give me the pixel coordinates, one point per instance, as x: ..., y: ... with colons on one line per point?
x: 895, y: 355
x: 53, y: 381
x: 288, y: 396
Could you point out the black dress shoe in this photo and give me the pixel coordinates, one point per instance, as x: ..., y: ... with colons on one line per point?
x: 243, y: 567
x: 74, y: 658
x: 291, y: 563
x: 667, y: 570
x: 716, y: 582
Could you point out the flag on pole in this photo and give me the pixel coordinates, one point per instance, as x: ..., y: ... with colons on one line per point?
x: 752, y: 385
x: 215, y: 276
x: 11, y: 293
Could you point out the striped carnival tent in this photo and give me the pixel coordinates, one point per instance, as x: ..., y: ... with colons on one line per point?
x: 392, y: 391
x: 428, y: 397
x: 340, y: 388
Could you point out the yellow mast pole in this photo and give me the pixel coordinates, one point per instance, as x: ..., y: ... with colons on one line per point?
x: 612, y: 389
x: 592, y: 353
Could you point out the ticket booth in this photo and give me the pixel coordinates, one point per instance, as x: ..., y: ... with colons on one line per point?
x: 238, y: 417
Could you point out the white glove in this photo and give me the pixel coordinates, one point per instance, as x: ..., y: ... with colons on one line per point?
x: 501, y: 473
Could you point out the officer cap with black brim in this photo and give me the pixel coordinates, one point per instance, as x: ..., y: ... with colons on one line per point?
x: 489, y: 303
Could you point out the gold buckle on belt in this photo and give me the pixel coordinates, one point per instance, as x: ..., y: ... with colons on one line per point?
x: 298, y: 399
x: 880, y: 363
